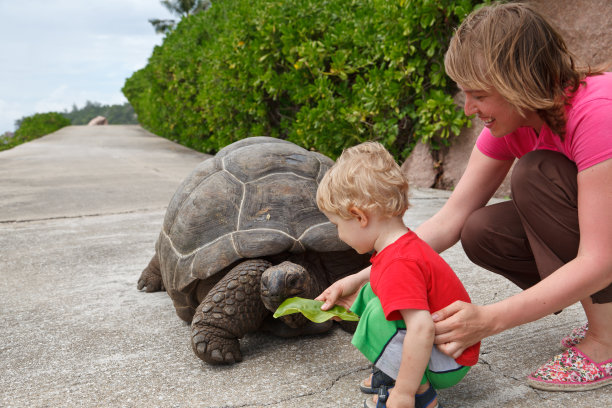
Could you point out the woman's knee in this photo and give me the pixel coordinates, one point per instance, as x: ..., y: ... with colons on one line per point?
x: 493, y: 233
x: 473, y: 235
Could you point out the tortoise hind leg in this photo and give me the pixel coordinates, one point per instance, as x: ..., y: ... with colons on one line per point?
x: 150, y: 278
x: 232, y: 308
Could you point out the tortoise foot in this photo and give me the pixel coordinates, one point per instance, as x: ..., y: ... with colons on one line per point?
x: 232, y: 308
x: 150, y: 278
x: 214, y: 345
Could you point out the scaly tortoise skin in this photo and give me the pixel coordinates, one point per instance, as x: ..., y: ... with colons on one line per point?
x: 241, y: 234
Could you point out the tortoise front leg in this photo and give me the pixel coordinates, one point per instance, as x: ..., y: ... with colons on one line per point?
x: 231, y: 309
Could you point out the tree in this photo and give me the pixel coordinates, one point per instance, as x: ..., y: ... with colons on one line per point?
x: 181, y: 8
x: 116, y: 114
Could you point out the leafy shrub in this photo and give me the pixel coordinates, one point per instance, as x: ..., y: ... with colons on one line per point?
x: 325, y: 74
x: 35, y: 126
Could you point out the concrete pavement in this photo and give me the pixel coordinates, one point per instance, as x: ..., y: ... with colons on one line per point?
x: 80, y: 211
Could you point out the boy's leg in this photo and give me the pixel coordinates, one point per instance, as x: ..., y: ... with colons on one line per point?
x: 426, y: 395
x: 375, y: 335
x: 381, y: 341
x: 445, y: 379
x: 371, y: 335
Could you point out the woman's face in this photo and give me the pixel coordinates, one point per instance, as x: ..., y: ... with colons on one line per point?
x: 497, y: 114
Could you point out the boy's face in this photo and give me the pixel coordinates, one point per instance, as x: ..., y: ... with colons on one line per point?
x: 352, y: 233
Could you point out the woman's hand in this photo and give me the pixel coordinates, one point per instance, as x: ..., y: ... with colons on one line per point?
x: 460, y: 325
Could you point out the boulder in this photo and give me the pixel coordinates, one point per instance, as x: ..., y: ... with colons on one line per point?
x: 97, y: 121
x: 420, y: 167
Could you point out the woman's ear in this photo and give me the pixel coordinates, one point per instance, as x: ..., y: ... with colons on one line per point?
x: 359, y: 215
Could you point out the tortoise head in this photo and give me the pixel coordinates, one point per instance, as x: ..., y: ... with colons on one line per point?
x: 286, y: 280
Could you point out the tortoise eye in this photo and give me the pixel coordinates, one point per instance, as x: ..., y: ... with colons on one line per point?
x: 293, y: 281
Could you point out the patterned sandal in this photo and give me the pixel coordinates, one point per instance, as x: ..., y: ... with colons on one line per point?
x: 575, y: 337
x: 377, y: 379
x: 571, y: 371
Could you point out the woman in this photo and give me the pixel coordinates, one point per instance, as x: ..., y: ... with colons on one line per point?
x: 520, y: 80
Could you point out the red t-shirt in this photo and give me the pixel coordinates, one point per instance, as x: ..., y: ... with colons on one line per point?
x: 409, y: 274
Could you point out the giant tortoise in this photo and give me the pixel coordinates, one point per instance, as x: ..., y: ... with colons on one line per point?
x: 241, y: 234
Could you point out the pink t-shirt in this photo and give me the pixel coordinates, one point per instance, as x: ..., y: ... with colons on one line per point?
x: 588, y: 138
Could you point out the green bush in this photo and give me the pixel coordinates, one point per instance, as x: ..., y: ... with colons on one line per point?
x: 325, y: 74
x: 35, y: 126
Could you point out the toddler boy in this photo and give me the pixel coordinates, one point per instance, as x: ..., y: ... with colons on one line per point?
x: 365, y: 194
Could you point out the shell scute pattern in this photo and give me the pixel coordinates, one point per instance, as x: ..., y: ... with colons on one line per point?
x: 252, y: 199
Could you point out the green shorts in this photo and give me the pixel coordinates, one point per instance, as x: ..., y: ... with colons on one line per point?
x: 381, y: 341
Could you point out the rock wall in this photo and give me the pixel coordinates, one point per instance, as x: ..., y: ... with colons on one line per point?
x: 586, y: 27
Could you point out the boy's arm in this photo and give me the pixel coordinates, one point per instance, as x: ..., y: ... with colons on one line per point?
x: 416, y: 352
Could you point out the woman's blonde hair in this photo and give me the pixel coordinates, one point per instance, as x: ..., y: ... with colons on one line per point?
x: 512, y: 49
x: 367, y: 177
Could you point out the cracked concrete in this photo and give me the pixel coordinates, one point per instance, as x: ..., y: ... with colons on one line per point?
x: 80, y: 211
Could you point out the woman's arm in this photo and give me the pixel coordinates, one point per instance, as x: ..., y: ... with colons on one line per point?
x: 461, y: 325
x: 482, y: 176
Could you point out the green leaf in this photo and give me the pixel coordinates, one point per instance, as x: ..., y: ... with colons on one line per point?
x: 312, y: 310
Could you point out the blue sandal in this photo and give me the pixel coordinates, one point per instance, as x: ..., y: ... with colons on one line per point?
x: 420, y: 400
x: 378, y: 379
x: 424, y: 399
x: 381, y: 402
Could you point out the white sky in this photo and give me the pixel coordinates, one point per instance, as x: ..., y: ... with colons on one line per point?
x: 56, y: 53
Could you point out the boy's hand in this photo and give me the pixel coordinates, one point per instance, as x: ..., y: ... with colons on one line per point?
x: 344, y: 291
x: 337, y: 294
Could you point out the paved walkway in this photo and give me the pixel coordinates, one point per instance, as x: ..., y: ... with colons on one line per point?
x: 80, y: 211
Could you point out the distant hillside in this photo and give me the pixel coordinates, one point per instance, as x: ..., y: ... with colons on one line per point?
x: 40, y: 124
x: 116, y: 114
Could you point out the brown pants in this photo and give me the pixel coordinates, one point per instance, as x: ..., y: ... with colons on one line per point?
x: 531, y: 236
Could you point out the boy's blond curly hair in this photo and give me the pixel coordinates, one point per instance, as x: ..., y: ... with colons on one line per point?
x: 367, y: 177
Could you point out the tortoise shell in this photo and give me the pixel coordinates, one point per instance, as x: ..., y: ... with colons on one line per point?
x: 254, y: 198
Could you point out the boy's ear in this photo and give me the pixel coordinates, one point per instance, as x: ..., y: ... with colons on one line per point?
x: 360, y: 215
